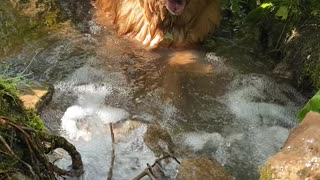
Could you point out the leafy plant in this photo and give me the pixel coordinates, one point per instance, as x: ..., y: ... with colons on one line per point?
x: 278, y: 9
x: 315, y: 8
x: 312, y: 105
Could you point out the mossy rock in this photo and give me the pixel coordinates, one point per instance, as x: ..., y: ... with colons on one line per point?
x: 24, y: 145
x: 12, y: 107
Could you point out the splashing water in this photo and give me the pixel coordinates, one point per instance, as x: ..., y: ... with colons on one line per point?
x: 240, y: 119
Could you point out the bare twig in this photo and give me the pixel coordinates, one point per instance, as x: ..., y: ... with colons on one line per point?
x: 33, y: 58
x: 148, y: 171
x: 113, y: 153
x: 165, y: 157
x: 145, y: 172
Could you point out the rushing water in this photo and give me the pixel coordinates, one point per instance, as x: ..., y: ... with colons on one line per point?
x: 210, y: 106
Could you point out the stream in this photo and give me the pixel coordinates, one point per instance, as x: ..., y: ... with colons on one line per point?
x: 224, y: 106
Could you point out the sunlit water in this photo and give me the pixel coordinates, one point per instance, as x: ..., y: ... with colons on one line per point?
x: 209, y: 107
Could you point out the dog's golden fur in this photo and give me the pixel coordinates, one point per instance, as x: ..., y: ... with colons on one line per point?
x: 150, y: 22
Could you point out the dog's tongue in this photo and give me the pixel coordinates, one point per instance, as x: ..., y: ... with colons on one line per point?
x: 174, y: 7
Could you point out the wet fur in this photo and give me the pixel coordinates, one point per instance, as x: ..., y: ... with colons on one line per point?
x: 149, y: 21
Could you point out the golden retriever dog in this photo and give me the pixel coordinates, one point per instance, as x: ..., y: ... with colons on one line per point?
x: 170, y: 22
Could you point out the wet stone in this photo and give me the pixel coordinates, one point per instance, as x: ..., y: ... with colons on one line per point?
x: 283, y: 70
x: 201, y: 168
x: 34, y: 94
x: 158, y: 140
x: 122, y: 129
x: 299, y: 158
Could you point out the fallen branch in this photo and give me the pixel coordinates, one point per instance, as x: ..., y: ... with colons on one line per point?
x: 145, y: 172
x: 148, y: 171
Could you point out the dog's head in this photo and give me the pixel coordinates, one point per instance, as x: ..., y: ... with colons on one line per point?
x: 152, y: 21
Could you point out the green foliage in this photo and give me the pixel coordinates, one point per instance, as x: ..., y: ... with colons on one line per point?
x: 260, y: 13
x: 239, y: 7
x: 12, y: 107
x: 21, y: 22
x: 312, y: 69
x: 312, y: 105
x: 315, y: 8
x: 34, y: 120
x: 234, y: 6
x: 282, y: 13
x: 278, y: 9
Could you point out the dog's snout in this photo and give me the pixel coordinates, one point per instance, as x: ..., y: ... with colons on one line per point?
x: 176, y: 1
x: 179, y: 2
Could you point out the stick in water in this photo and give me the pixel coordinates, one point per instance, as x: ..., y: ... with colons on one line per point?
x: 113, y: 153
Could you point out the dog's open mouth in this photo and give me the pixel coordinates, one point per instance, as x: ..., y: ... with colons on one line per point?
x: 176, y: 7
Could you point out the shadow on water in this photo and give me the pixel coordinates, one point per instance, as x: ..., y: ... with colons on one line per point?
x: 210, y: 106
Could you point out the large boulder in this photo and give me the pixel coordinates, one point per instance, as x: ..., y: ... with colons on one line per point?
x: 300, y: 156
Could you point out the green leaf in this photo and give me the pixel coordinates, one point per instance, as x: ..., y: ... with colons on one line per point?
x: 259, y: 13
x: 282, y: 13
x: 312, y: 105
x: 266, y: 5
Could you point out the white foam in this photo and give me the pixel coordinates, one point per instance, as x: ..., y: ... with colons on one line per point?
x: 251, y: 99
x: 198, y: 140
x: 69, y: 123
x: 89, y: 108
x: 109, y: 114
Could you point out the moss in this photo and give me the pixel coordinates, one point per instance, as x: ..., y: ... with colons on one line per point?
x: 23, y: 22
x: 12, y: 107
x: 34, y: 120
x: 265, y: 173
x: 15, y: 29
x: 51, y: 18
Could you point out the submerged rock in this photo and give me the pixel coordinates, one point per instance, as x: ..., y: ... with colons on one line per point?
x: 34, y: 94
x: 158, y: 140
x: 300, y: 156
x: 202, y: 168
x: 122, y: 129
